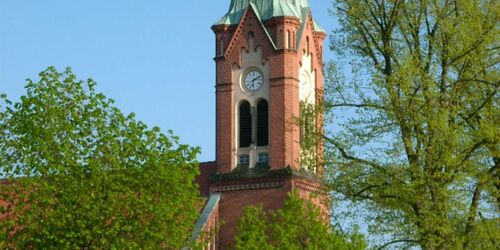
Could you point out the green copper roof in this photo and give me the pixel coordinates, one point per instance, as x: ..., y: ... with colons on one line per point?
x: 267, y: 9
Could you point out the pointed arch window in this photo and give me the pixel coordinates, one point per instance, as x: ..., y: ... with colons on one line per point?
x: 245, y: 122
x: 262, y: 123
x: 251, y: 40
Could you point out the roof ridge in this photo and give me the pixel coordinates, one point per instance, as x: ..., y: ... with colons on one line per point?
x: 265, y: 9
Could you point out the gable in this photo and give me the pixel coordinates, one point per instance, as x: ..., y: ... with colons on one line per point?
x: 308, y: 30
x: 249, y: 15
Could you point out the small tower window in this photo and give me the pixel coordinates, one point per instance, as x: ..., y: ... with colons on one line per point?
x: 245, y: 122
x: 262, y: 123
x: 251, y: 40
x: 244, y: 160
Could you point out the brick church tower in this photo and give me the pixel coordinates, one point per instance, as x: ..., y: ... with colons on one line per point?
x: 268, y: 62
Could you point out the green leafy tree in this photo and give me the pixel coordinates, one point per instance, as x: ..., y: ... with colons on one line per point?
x: 81, y: 175
x: 418, y: 147
x: 298, y: 225
x: 252, y: 230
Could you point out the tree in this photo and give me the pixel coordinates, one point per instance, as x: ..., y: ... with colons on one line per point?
x: 81, y: 175
x: 299, y: 225
x: 419, y: 144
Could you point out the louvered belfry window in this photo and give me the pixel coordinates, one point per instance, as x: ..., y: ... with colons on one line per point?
x: 245, y: 125
x: 262, y: 123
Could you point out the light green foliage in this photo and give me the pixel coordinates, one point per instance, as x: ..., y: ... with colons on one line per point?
x: 298, y: 225
x: 84, y: 176
x: 310, y: 136
x: 252, y: 230
x: 419, y: 142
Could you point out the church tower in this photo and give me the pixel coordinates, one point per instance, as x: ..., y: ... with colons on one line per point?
x: 268, y: 61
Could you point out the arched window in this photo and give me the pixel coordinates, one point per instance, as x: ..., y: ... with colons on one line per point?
x: 245, y: 125
x: 262, y: 123
x: 288, y: 40
x: 220, y: 45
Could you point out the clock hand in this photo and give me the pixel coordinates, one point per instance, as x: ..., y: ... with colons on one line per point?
x: 256, y: 78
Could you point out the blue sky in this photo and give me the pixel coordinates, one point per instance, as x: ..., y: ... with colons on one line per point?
x: 154, y: 57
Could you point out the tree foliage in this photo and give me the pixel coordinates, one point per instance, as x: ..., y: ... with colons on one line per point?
x: 418, y: 144
x: 81, y: 175
x: 298, y: 225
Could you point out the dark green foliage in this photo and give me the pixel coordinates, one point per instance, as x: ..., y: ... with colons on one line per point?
x: 299, y: 225
x: 242, y: 172
x: 84, y: 176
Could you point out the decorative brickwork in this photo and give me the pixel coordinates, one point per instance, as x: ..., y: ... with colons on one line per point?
x: 249, y: 186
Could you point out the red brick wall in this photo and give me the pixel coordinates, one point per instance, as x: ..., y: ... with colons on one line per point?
x: 207, y: 169
x: 249, y: 192
x: 232, y: 204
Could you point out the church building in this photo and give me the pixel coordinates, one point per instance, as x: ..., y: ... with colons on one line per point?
x: 268, y: 56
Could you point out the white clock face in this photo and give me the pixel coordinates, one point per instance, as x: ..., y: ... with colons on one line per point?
x: 253, y: 80
x: 305, y: 85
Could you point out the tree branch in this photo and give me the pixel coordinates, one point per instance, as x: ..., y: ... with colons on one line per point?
x: 473, y: 209
x: 473, y: 47
x: 395, y: 242
x: 480, y: 107
x: 347, y: 156
x: 355, y: 105
x: 468, y: 153
x: 367, y: 188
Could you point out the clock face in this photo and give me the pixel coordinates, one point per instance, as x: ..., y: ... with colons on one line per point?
x: 253, y: 80
x: 305, y: 85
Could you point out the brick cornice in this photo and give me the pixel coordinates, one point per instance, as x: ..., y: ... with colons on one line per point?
x: 248, y: 186
x: 223, y: 84
x: 310, y: 186
x: 222, y: 28
x: 219, y: 58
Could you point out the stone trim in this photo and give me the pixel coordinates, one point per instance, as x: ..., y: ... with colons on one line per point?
x: 206, y: 215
